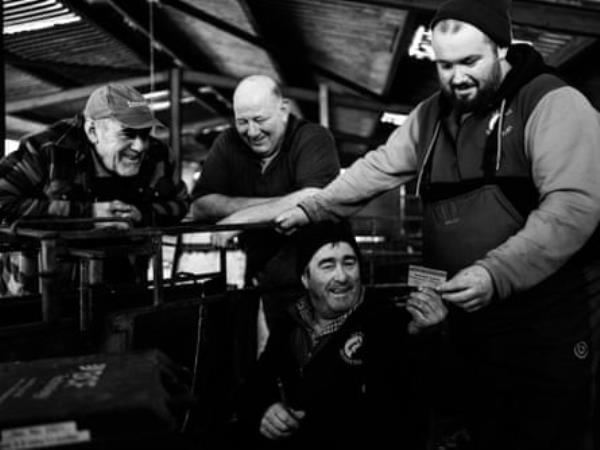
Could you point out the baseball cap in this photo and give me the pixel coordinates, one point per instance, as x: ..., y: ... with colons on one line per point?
x: 122, y: 103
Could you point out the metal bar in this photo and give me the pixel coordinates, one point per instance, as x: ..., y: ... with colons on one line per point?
x: 175, y: 126
x: 84, y: 295
x: 324, y: 105
x: 48, y: 282
x: 157, y: 270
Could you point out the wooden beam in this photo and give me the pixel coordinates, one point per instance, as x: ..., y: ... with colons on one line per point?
x: 76, y: 93
x: 301, y: 94
x: 568, y: 19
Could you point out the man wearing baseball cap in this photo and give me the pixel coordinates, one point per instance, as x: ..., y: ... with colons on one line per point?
x: 102, y: 163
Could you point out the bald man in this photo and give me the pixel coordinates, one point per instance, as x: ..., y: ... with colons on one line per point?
x: 266, y: 164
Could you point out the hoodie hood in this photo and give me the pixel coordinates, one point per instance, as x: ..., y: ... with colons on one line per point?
x: 526, y: 64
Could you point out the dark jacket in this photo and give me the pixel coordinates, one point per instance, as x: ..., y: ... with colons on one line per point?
x: 359, y: 387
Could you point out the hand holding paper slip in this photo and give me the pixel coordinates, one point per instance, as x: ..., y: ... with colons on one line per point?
x: 420, y: 276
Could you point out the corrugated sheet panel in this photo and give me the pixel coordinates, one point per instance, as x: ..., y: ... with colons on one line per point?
x: 69, y: 41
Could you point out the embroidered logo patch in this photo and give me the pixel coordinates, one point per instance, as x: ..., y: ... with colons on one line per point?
x: 581, y: 350
x: 351, y: 347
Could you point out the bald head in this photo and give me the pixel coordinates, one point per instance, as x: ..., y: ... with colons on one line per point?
x: 256, y: 86
x: 261, y: 114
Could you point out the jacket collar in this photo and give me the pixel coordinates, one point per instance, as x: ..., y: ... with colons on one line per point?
x: 75, y: 139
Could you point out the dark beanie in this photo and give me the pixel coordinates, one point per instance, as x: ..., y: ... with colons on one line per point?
x: 314, y: 236
x: 492, y: 17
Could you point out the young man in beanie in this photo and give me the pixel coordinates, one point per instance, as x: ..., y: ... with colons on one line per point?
x: 505, y: 158
x: 103, y: 163
x: 340, y: 371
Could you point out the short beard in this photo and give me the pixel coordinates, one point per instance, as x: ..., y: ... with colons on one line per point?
x: 487, y: 90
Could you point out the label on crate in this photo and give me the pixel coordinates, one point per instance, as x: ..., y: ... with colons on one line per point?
x: 40, y: 436
x: 419, y: 276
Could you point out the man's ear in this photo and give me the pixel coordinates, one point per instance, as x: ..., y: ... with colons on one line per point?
x: 90, y: 130
x: 285, y: 106
x: 304, y: 278
x: 502, y: 52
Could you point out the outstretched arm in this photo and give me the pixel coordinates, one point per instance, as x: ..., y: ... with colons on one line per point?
x: 214, y: 207
x: 263, y: 212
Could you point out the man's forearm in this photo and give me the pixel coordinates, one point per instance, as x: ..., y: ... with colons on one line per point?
x: 214, y: 207
x: 270, y: 209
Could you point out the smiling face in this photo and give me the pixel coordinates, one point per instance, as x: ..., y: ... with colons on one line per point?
x: 260, y: 115
x: 120, y: 149
x: 469, y: 64
x: 332, y: 278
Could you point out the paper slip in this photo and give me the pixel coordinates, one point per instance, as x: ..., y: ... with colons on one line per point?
x: 424, y: 276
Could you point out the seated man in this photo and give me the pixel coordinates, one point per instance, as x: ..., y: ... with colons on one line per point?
x: 342, y: 370
x: 103, y: 164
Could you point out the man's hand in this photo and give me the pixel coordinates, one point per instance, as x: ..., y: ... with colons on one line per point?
x: 113, y: 209
x: 289, y: 220
x: 279, y: 421
x: 426, y: 308
x: 470, y: 289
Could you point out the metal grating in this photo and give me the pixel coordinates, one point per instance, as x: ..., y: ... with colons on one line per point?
x: 42, y: 31
x: 28, y: 15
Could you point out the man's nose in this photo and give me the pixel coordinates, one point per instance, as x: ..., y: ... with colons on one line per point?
x: 253, y: 129
x: 458, y: 75
x: 340, y: 273
x: 139, y: 144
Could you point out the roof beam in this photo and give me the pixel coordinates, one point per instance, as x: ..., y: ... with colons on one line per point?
x: 549, y: 16
x: 200, y: 78
x: 76, y: 93
x: 301, y: 94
